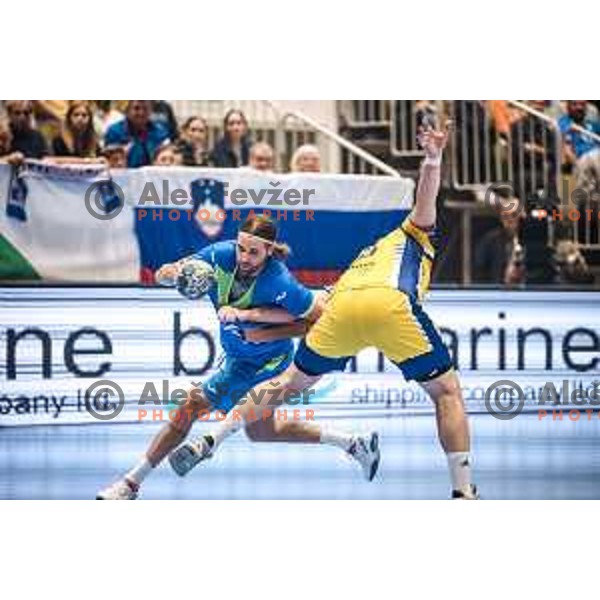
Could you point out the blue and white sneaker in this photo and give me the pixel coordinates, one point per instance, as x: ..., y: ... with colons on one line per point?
x: 365, y: 450
x: 189, y: 454
x: 120, y: 490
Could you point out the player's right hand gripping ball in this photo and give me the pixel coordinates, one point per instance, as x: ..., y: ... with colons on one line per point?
x: 196, y: 279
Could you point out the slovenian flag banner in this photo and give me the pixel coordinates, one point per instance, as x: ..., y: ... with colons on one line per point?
x: 86, y: 224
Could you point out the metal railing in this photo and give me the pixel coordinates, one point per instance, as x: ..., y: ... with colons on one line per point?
x: 475, y: 157
x: 398, y: 119
x: 587, y: 180
x: 366, y: 113
x: 361, y: 154
x: 286, y: 130
x: 528, y: 156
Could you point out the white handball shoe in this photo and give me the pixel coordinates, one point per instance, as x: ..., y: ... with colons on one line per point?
x: 365, y: 450
x: 120, y: 490
x: 470, y: 493
x: 188, y: 455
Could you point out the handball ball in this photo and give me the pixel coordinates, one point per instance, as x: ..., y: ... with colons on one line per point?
x: 196, y: 279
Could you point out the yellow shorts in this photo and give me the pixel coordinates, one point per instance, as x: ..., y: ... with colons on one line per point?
x: 385, y: 318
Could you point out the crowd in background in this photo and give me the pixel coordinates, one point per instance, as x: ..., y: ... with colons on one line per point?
x: 518, y: 250
x: 528, y: 141
x: 568, y: 113
x: 549, y: 154
x: 131, y: 134
x: 137, y: 133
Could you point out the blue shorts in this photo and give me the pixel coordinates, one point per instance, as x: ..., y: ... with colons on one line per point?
x: 238, y: 376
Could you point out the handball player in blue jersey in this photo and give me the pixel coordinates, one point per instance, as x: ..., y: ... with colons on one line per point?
x: 253, y: 291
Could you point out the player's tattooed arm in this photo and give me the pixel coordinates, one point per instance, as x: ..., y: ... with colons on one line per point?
x: 433, y: 142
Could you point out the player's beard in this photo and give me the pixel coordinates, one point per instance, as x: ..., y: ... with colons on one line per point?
x: 248, y: 271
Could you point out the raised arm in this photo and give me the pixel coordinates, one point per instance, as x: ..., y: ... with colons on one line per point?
x: 423, y: 214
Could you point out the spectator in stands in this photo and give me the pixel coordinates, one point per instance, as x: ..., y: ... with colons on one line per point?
x: 139, y: 133
x: 262, y: 157
x: 105, y: 115
x: 49, y: 116
x: 572, y: 266
x: 586, y: 196
x: 499, y: 255
x: 178, y: 156
x: 306, y: 159
x: 193, y: 143
x: 163, y: 113
x: 166, y: 156
x: 587, y: 174
x: 233, y: 149
x: 576, y: 143
x: 115, y: 156
x: 503, y: 116
x: 5, y: 137
x: 6, y: 155
x: 78, y: 137
x: 25, y: 138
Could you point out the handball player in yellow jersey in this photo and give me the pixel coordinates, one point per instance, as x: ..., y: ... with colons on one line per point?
x: 377, y: 302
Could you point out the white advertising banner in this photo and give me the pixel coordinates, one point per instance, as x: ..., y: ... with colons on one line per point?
x: 57, y: 344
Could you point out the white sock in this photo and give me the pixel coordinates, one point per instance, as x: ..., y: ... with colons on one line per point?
x: 336, y: 438
x: 226, y: 428
x: 140, y: 471
x: 459, y: 464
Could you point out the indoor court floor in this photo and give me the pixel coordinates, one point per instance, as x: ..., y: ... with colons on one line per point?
x: 519, y: 459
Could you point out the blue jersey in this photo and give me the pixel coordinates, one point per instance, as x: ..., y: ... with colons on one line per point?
x: 273, y: 287
x: 580, y: 142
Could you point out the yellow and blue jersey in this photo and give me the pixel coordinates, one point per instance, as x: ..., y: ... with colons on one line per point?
x: 376, y: 303
x: 402, y: 260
